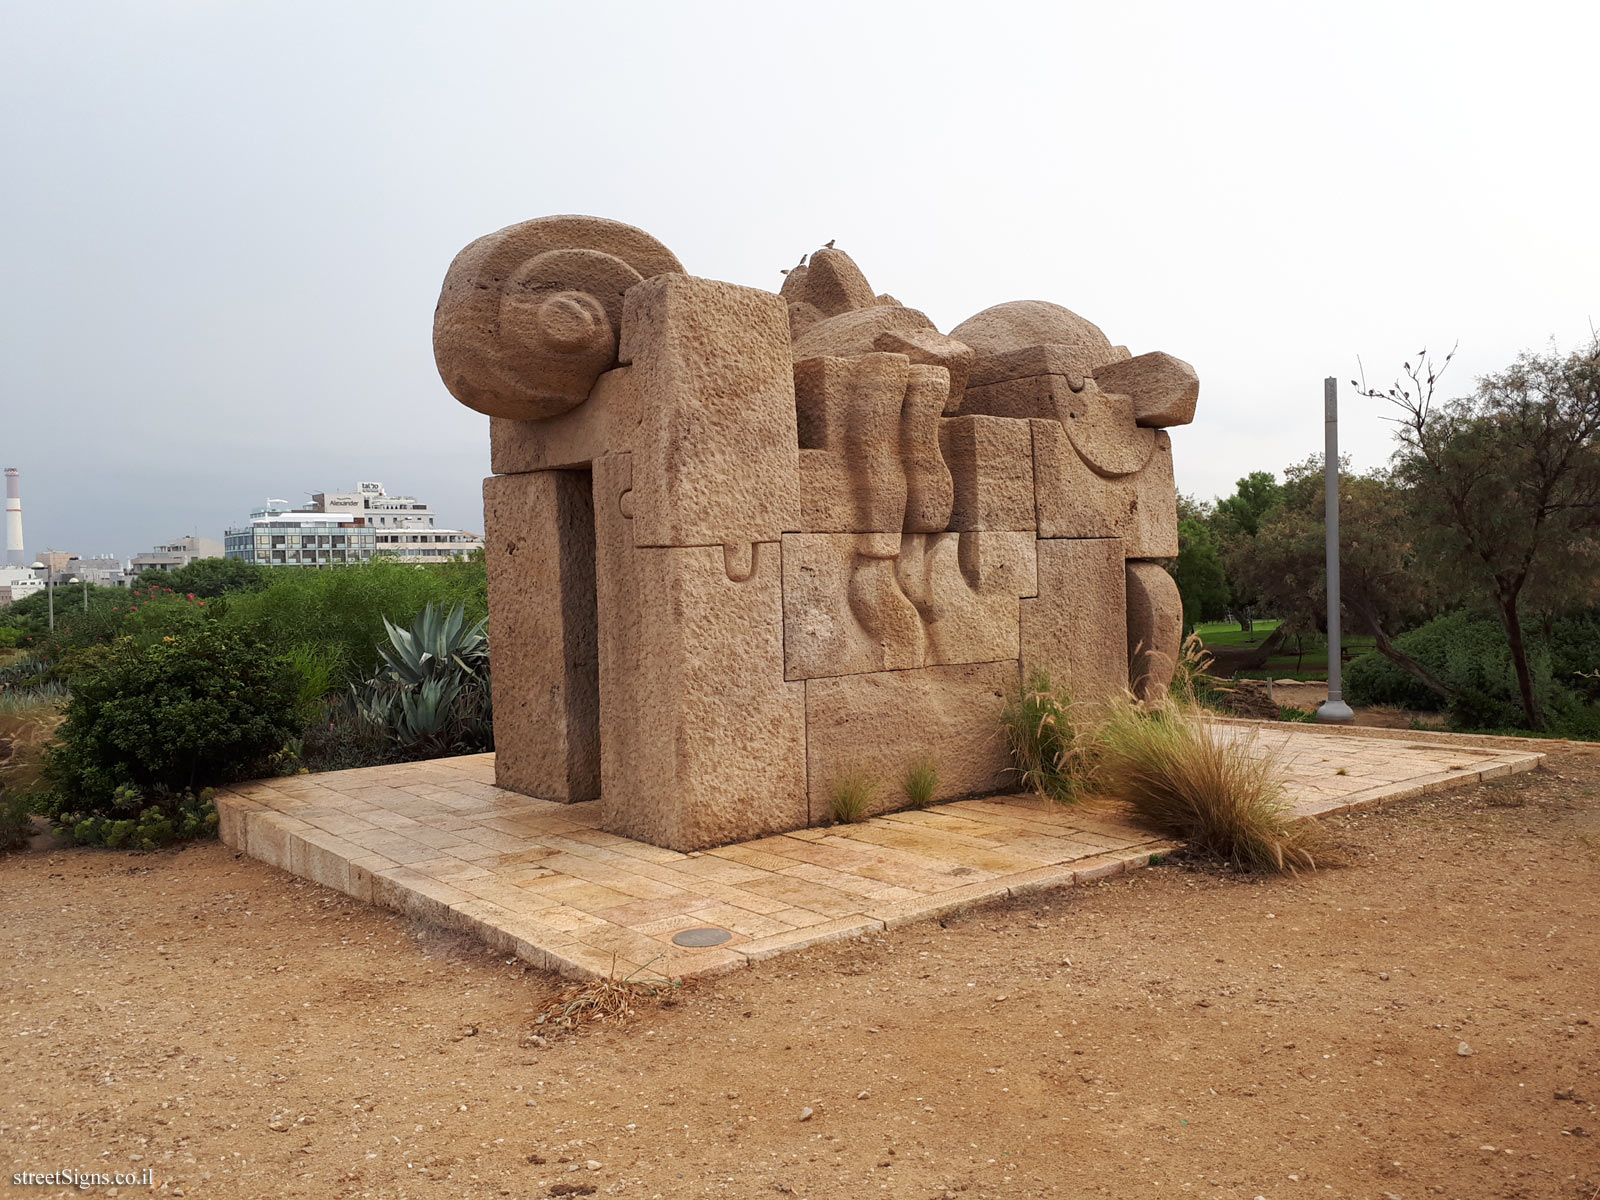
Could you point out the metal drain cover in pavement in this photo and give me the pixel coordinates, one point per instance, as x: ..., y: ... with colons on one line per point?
x: 700, y: 938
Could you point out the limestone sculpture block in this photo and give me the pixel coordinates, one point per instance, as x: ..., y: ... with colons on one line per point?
x: 740, y: 542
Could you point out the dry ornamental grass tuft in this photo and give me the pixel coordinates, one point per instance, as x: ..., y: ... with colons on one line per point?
x: 851, y: 794
x: 1195, y: 780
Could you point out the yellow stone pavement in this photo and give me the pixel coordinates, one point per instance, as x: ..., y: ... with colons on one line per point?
x: 438, y: 841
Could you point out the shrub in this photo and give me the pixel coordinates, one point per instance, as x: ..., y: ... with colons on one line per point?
x: 1051, y: 755
x: 154, y: 725
x: 211, y: 578
x: 1469, y: 655
x: 9, y: 637
x: 16, y: 826
x: 1192, y: 779
x: 920, y: 782
x: 432, y: 692
x: 343, y: 611
x: 137, y: 821
x: 851, y: 794
x: 343, y: 738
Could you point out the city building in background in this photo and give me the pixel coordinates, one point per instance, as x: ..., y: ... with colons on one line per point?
x: 104, y: 570
x: 406, y: 527
x: 278, y: 536
x: 17, y: 583
x: 174, y: 554
x: 345, y: 527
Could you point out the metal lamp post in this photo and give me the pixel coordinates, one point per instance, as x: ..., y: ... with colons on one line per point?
x: 1334, y: 711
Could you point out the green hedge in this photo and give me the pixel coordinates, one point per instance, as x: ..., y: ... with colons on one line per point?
x: 1468, y: 652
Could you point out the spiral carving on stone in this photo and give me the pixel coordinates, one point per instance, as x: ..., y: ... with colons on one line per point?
x: 529, y: 317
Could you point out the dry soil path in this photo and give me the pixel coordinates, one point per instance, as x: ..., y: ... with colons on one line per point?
x: 1174, y: 1032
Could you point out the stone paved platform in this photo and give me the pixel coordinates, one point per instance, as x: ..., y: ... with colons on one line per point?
x: 438, y: 841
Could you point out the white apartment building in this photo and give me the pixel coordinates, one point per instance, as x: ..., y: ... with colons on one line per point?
x: 18, y: 582
x: 405, y: 527
x: 345, y: 527
x: 278, y: 536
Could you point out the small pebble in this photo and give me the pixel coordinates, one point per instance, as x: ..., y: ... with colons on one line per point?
x: 1464, y: 1050
x: 805, y: 1113
x: 861, y: 1095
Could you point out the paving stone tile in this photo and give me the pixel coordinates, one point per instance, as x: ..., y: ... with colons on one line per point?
x: 798, y: 939
x: 895, y: 913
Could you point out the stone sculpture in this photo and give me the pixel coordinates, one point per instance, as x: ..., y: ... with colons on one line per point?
x: 741, y: 542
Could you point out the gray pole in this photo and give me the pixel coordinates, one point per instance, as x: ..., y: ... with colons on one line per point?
x: 1335, y: 711
x: 50, y: 600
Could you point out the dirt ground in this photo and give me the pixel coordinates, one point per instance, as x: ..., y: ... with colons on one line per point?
x: 1419, y: 1022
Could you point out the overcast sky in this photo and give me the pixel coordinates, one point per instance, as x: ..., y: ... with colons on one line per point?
x: 223, y: 226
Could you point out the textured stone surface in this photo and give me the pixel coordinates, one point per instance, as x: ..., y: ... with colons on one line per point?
x: 965, y: 587
x: 703, y: 741
x: 1075, y: 630
x: 991, y: 467
x: 851, y: 409
x: 882, y: 723
x: 929, y: 491
x: 822, y: 632
x: 1155, y: 628
x: 1073, y: 501
x: 540, y: 549
x: 607, y: 423
x: 857, y: 332
x: 716, y: 453
x: 528, y: 316
x: 1022, y: 325
x: 1164, y: 389
x: 850, y: 608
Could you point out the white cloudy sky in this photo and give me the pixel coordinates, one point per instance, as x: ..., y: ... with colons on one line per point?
x: 223, y: 225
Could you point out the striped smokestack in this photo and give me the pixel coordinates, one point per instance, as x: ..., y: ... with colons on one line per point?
x: 15, y: 555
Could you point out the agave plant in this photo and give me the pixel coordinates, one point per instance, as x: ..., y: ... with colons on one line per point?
x: 438, y: 645
x: 431, y: 692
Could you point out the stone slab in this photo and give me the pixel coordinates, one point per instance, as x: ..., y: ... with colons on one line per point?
x: 704, y: 738
x: 881, y: 724
x: 797, y: 889
x: 540, y: 553
x: 715, y: 455
x: 1075, y: 630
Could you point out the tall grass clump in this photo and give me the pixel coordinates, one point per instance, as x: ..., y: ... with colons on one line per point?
x: 1190, y: 779
x: 1053, y: 755
x: 920, y: 782
x: 851, y: 794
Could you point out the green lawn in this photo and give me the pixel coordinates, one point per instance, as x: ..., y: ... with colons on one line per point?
x: 1305, y: 657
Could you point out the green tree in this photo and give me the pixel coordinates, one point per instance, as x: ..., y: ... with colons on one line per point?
x: 1198, y: 570
x: 1385, y: 583
x: 1235, y: 524
x: 1506, y: 484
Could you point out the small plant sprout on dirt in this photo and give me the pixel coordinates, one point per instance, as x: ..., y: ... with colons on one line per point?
x: 1052, y: 755
x: 851, y: 794
x: 920, y: 782
x: 1191, y: 778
